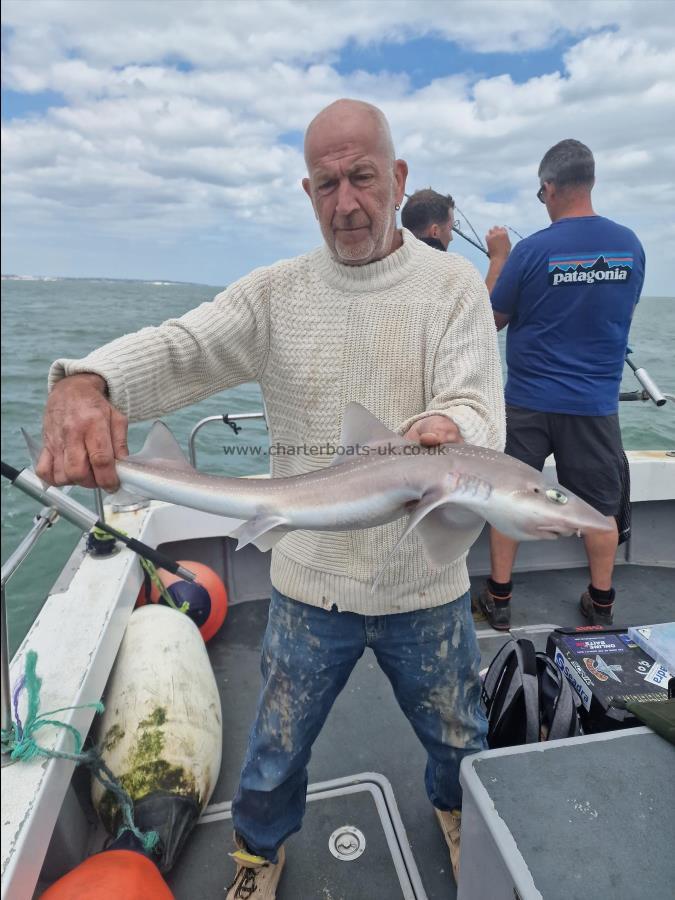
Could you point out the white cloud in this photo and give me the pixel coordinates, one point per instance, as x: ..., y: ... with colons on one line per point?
x: 176, y: 116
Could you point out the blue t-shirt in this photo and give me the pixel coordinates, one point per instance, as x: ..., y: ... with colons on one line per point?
x: 570, y: 291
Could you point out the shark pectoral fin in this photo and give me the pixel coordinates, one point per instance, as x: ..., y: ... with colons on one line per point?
x: 263, y: 531
x: 428, y: 503
x: 448, y: 532
x: 361, y: 428
x: 160, y: 444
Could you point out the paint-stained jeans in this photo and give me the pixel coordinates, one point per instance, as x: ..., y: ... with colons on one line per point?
x: 431, y: 659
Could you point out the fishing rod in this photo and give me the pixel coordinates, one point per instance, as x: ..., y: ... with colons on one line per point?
x: 28, y: 482
x: 474, y: 241
x: 480, y: 244
x: 470, y: 240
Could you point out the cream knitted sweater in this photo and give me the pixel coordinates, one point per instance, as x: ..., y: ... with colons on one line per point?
x: 409, y: 336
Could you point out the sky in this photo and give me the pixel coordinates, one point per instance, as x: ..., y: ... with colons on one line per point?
x: 163, y: 140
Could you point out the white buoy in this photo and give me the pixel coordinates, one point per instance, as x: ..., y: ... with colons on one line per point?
x: 161, y: 733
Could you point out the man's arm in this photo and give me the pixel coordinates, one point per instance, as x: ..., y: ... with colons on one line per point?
x: 146, y: 374
x: 468, y: 394
x: 506, y: 289
x: 499, y: 247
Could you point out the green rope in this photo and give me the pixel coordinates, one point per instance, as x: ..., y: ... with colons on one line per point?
x: 153, y: 574
x: 19, y: 742
x: 150, y: 568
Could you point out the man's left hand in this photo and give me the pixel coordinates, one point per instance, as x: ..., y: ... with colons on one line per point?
x: 434, y: 430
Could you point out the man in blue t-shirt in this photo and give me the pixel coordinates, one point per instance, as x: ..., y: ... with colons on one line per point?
x: 567, y: 294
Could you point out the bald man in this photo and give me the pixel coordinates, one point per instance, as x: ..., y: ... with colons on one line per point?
x: 372, y: 316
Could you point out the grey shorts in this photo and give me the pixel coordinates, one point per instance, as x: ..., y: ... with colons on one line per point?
x: 587, y: 449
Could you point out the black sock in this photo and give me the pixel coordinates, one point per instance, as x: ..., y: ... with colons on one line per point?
x: 602, y: 600
x: 501, y: 591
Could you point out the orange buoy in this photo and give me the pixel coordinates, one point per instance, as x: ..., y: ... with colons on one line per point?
x: 112, y: 875
x: 206, y: 598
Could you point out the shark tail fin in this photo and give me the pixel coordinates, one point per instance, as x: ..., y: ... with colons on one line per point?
x: 34, y: 448
x: 34, y: 451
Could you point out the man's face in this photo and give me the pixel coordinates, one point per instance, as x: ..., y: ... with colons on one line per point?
x: 354, y: 185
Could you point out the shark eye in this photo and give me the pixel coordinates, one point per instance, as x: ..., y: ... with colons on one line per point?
x: 556, y: 496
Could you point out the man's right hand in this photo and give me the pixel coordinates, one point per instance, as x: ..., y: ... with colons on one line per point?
x: 83, y: 434
x: 498, y: 243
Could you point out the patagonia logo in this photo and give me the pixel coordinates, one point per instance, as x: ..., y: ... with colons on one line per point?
x: 590, y: 268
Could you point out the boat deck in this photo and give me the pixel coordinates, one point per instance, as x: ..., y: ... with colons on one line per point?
x: 367, y: 733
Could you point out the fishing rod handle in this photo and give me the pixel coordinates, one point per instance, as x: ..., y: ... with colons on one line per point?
x: 27, y: 481
x: 649, y: 385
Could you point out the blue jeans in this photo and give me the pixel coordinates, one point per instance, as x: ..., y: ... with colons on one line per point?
x: 431, y: 658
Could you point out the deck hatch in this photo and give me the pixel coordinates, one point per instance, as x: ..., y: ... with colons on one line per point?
x: 374, y: 839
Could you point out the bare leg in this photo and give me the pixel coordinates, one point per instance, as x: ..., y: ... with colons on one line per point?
x: 601, y: 552
x: 502, y: 556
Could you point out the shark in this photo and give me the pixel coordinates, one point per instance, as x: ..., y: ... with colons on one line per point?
x: 446, y: 494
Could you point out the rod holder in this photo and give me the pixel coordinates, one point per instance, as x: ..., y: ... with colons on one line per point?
x: 650, y: 386
x: 647, y: 382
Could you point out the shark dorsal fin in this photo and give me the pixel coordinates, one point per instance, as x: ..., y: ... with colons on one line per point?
x: 363, y: 428
x: 160, y: 444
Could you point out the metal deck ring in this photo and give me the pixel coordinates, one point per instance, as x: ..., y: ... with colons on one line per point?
x: 347, y: 843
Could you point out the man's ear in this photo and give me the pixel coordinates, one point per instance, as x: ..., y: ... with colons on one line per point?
x: 433, y: 231
x: 307, y: 187
x: 400, y: 176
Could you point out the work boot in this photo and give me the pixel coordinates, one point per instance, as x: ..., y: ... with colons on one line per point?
x: 451, y: 825
x: 256, y: 877
x: 497, y: 613
x: 595, y: 615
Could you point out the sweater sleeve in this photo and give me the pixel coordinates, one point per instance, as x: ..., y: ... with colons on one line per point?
x: 213, y: 347
x: 466, y: 378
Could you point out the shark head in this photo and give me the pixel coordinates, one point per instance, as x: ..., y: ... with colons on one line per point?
x: 527, y: 507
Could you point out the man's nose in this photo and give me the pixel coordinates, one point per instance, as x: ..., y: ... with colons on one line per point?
x: 346, y: 199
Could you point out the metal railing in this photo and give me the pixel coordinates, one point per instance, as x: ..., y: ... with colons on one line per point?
x: 44, y: 520
x: 226, y: 419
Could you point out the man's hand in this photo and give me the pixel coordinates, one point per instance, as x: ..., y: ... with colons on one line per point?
x: 434, y: 430
x: 83, y: 434
x: 498, y: 243
x: 499, y: 247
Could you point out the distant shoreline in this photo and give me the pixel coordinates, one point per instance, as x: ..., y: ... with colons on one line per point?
x: 161, y: 282
x: 84, y: 278
x: 98, y: 278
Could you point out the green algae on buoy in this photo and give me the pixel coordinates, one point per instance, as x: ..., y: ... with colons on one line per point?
x: 161, y: 732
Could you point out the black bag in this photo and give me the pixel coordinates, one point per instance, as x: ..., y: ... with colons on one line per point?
x: 526, y: 698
